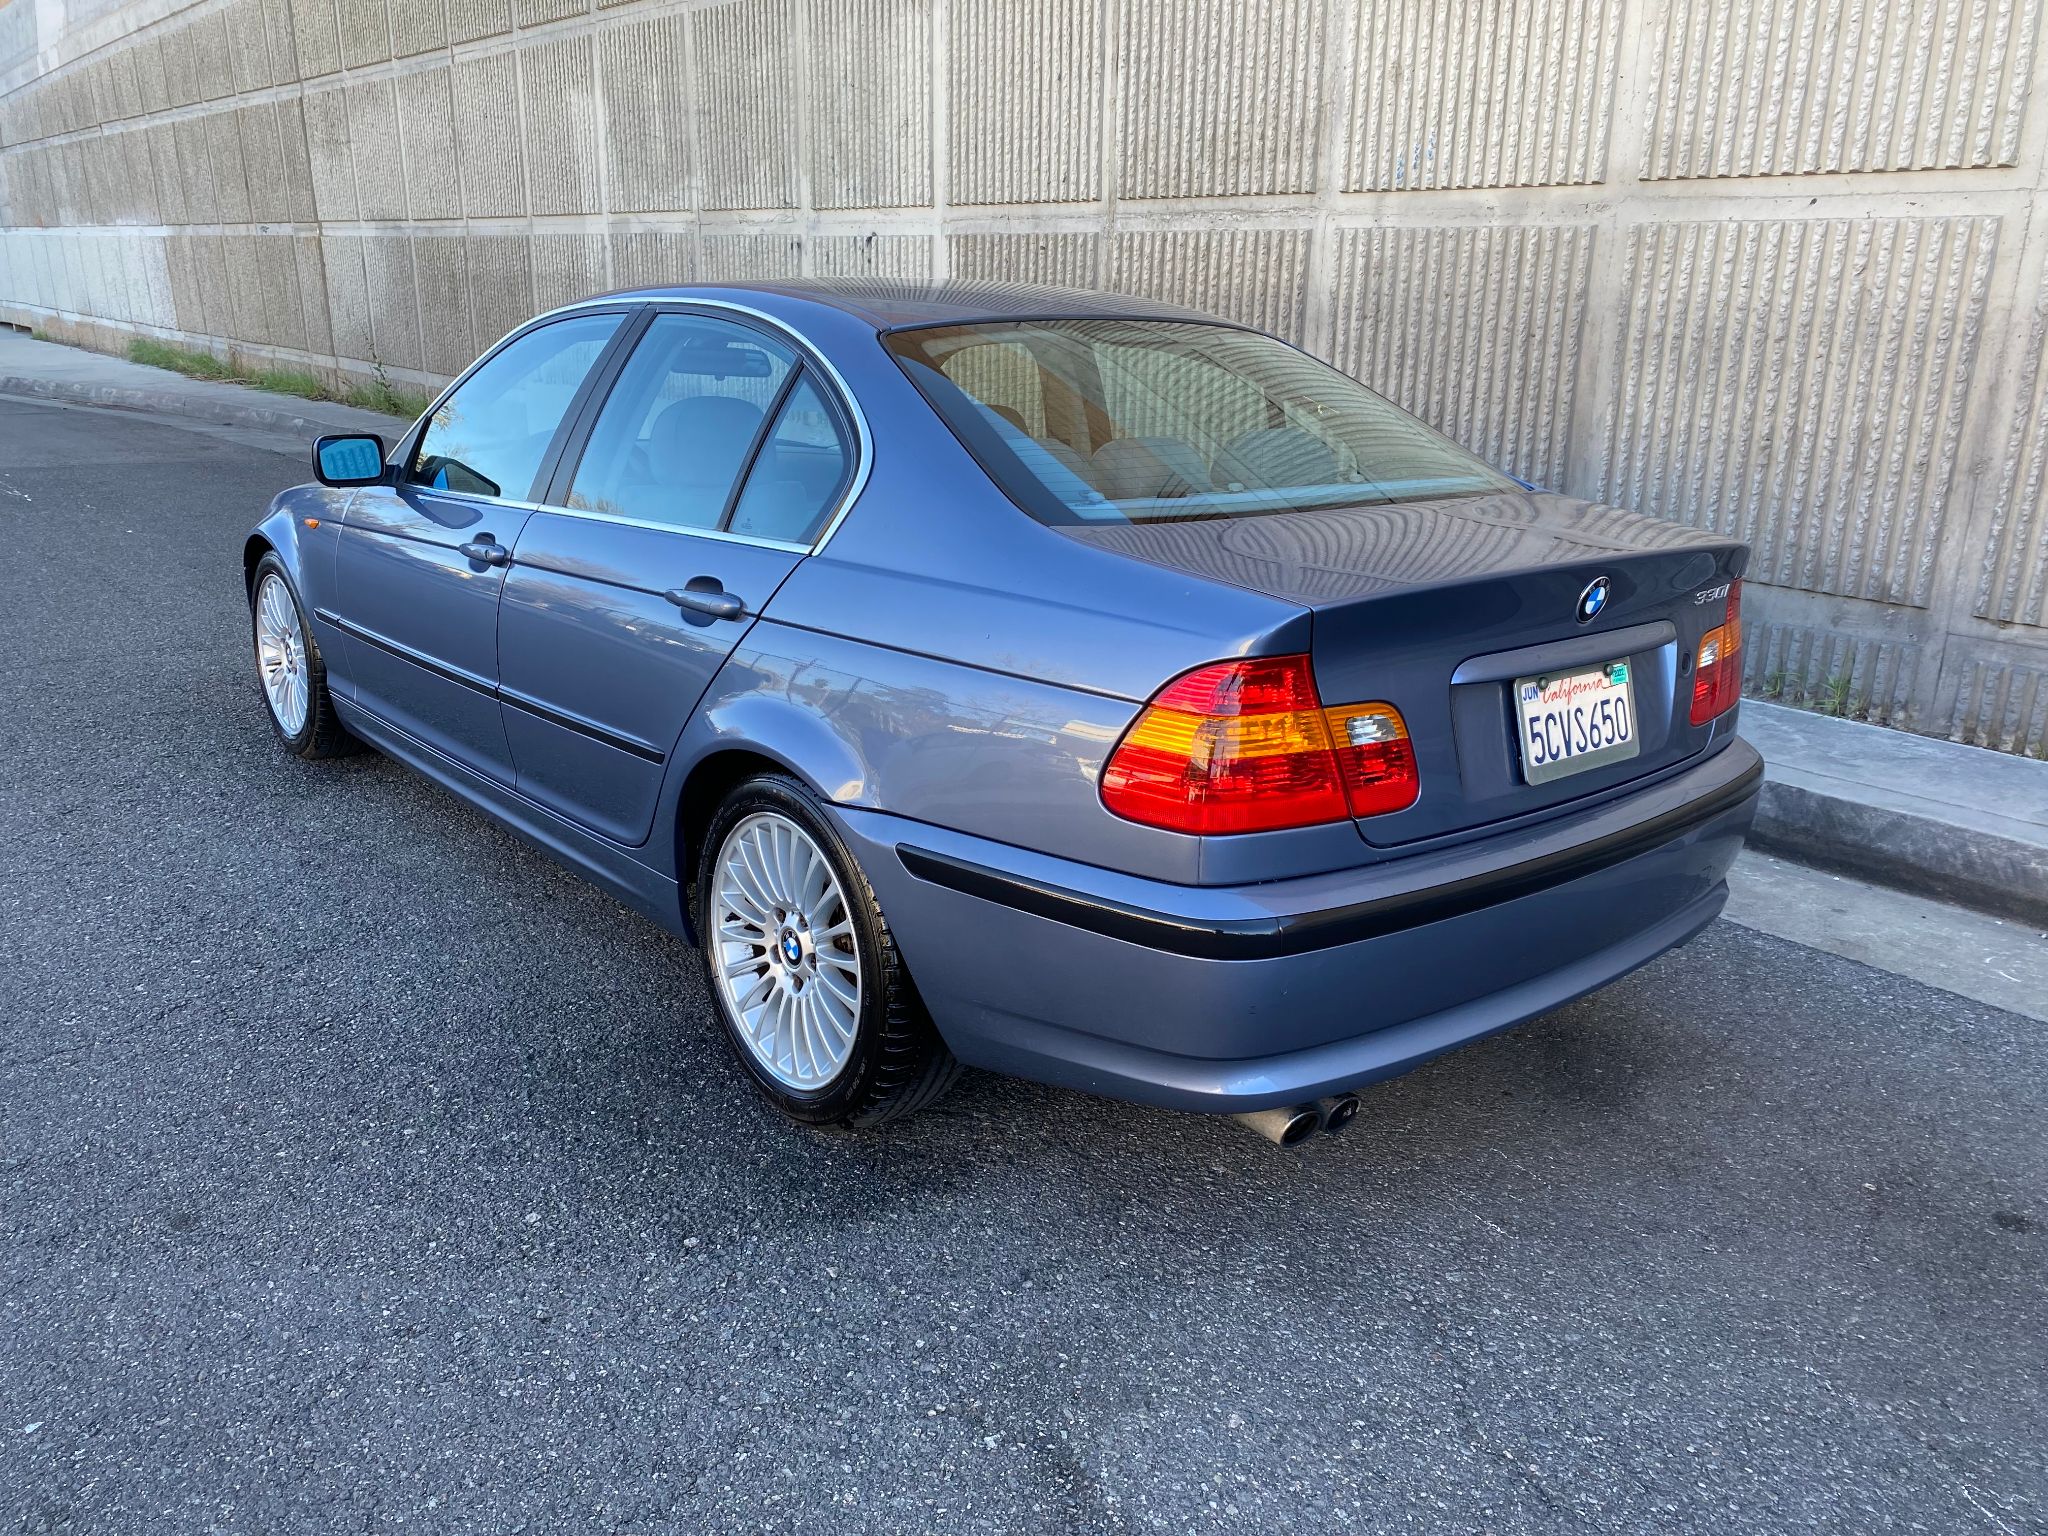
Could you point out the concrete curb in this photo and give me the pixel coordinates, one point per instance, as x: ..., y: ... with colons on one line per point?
x: 220, y: 413
x: 1933, y: 818
x: 1909, y: 853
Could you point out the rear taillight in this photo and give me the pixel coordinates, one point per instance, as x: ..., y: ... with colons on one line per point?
x: 1246, y: 746
x: 1717, y: 668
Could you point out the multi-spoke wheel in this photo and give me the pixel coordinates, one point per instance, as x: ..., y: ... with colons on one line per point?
x: 281, y: 653
x: 803, y: 969
x: 289, y: 667
x: 785, y: 956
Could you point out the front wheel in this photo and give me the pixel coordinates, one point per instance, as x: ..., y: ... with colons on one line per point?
x: 290, y: 667
x: 803, y: 969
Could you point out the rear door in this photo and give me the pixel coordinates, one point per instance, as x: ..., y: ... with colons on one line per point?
x: 706, y: 474
x: 419, y: 564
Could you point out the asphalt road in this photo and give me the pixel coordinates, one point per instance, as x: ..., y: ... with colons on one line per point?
x: 363, y: 1170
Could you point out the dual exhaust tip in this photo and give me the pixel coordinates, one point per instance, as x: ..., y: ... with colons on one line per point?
x: 1291, y: 1126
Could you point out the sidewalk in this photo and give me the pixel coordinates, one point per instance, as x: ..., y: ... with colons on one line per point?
x: 1931, y: 817
x: 47, y: 370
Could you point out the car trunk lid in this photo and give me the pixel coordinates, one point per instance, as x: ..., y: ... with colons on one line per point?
x: 1442, y: 608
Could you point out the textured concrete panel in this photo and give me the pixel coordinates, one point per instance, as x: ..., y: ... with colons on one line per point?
x: 315, y: 37
x: 245, y: 290
x: 565, y: 268
x: 263, y: 162
x: 211, y: 56
x: 365, y: 31
x: 348, y: 295
x: 394, y: 301
x: 646, y: 259
x: 1801, y: 385
x: 1481, y: 95
x: 501, y: 284
x: 531, y: 13
x: 284, y: 321
x: 1778, y: 87
x: 181, y: 69
x: 443, y: 267
x: 2002, y: 703
x: 1477, y: 331
x: 170, y: 181
x: 1025, y: 95
x: 248, y: 48
x: 645, y: 70
x: 1259, y: 276
x: 469, y: 20
x: 746, y: 256
x: 149, y: 73
x: 298, y: 164
x: 1219, y: 96
x: 561, y: 126
x: 906, y: 256
x: 327, y: 151
x: 488, y: 136
x: 418, y: 26
x: 283, y: 49
x: 195, y: 165
x: 2012, y: 582
x: 186, y: 312
x: 211, y: 262
x: 1821, y: 666
x: 744, y: 70
x: 870, y: 100
x: 373, y: 136
x: 426, y: 116
x: 313, y: 294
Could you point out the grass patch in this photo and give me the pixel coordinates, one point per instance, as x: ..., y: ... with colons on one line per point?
x: 380, y: 394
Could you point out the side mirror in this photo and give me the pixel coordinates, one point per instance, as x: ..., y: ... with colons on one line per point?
x: 350, y: 460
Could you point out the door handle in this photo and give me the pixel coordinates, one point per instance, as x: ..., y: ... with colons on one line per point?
x: 712, y: 602
x: 487, y: 551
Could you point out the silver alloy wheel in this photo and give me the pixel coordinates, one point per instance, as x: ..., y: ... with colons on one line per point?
x: 281, y: 654
x: 784, y: 951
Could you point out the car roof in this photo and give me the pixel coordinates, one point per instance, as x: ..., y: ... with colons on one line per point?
x: 889, y: 304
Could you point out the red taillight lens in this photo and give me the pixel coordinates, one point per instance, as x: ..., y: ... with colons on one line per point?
x: 1246, y: 746
x: 1717, y: 667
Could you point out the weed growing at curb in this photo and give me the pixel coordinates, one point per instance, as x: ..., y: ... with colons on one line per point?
x: 378, y: 395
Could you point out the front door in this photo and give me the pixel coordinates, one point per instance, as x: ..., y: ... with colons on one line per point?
x: 707, y: 475
x: 420, y: 564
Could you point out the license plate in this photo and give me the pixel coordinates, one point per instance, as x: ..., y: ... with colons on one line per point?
x: 1572, y: 721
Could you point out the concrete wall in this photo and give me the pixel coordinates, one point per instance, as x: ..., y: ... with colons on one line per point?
x: 1767, y: 266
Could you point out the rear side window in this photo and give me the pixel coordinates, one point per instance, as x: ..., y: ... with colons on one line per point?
x: 679, y: 426
x: 1087, y: 421
x: 488, y: 437
x: 798, y: 475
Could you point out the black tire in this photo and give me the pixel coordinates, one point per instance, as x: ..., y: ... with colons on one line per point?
x: 322, y: 735
x: 898, y: 1064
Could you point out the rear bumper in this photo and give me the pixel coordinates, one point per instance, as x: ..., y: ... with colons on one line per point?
x: 1235, y: 998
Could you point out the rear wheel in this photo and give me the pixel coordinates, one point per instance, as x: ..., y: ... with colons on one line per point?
x: 803, y: 969
x: 290, y: 668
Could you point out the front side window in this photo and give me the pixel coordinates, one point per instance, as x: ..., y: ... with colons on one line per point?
x: 679, y: 426
x: 488, y: 437
x: 1089, y: 421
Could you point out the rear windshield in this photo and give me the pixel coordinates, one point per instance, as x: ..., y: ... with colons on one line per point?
x: 1142, y: 421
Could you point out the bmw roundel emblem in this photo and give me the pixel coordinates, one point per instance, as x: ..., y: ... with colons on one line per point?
x: 1593, y: 601
x: 791, y: 949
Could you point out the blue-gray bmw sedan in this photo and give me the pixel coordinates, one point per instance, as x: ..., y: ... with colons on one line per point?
x: 1044, y: 681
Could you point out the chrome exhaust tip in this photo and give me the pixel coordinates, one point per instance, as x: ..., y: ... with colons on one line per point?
x: 1338, y: 1112
x: 1288, y: 1127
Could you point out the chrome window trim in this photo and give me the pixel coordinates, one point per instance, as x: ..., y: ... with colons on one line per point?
x: 703, y: 533
x: 864, y: 456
